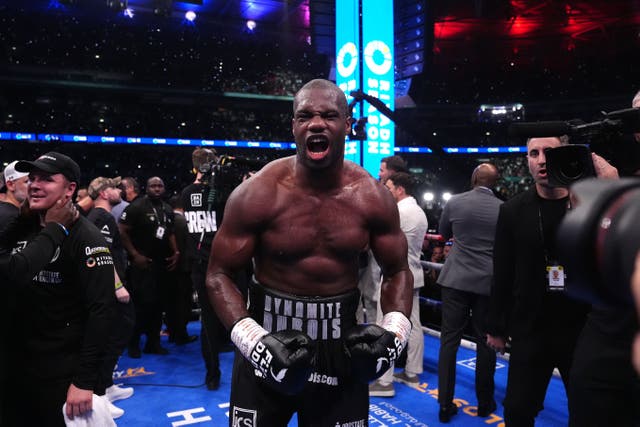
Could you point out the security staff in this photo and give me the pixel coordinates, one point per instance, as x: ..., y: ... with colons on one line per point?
x: 146, y: 229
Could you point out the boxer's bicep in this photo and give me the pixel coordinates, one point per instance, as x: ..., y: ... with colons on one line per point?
x: 231, y: 251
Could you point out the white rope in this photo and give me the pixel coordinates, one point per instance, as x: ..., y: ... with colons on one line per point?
x: 470, y: 345
x: 432, y: 265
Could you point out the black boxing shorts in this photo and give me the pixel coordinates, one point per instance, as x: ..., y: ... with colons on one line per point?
x: 331, y: 397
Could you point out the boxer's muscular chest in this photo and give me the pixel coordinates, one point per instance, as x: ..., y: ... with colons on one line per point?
x: 329, y: 225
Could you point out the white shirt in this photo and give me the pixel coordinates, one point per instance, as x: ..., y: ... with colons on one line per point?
x: 413, y: 223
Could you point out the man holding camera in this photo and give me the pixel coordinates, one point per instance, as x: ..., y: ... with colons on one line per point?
x: 202, y: 213
x: 635, y: 287
x: 528, y: 302
x: 603, y: 388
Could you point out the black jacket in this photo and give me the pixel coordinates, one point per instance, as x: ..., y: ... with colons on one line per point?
x: 21, y: 266
x: 64, y: 312
x: 520, y: 303
x: 106, y: 223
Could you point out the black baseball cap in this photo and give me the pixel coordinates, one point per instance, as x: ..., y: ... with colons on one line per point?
x: 52, y: 163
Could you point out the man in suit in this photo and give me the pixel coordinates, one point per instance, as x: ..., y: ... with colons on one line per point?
x: 528, y: 300
x: 470, y: 218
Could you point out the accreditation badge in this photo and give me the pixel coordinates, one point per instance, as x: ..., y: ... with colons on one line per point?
x: 160, y: 232
x: 555, y: 278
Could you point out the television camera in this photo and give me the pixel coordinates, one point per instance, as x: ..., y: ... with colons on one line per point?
x: 599, y: 238
x: 568, y: 164
x: 223, y: 174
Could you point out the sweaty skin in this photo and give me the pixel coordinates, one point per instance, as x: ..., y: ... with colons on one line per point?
x: 306, y: 218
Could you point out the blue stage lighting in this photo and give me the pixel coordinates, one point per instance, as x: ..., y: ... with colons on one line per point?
x: 56, y: 4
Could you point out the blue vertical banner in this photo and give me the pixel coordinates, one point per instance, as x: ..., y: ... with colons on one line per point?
x: 348, y: 60
x: 378, y: 80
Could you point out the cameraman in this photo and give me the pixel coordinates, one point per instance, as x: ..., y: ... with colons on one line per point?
x: 203, y: 213
x: 603, y: 387
x: 635, y: 287
x: 528, y: 302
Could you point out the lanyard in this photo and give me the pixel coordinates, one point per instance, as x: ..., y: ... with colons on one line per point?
x: 547, y: 256
x: 157, y: 216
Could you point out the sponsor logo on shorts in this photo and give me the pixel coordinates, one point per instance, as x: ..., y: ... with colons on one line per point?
x: 244, y: 417
x: 317, y: 378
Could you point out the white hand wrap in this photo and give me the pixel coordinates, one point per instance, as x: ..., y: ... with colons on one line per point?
x: 397, y: 323
x: 245, y: 334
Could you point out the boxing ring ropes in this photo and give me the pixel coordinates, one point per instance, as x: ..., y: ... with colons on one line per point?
x: 428, y: 265
x: 470, y: 345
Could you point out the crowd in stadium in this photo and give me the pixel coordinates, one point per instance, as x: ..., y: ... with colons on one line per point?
x: 70, y: 71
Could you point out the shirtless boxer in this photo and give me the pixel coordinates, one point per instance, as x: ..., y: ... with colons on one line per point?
x: 304, y: 220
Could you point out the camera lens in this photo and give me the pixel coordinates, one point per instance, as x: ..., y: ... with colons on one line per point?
x: 567, y: 164
x: 572, y: 169
x: 599, y: 239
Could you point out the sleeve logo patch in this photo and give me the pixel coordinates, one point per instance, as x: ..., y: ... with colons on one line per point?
x: 99, y: 261
x: 97, y: 250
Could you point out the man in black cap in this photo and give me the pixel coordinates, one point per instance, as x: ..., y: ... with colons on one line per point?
x: 20, y: 267
x: 64, y: 311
